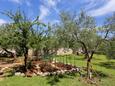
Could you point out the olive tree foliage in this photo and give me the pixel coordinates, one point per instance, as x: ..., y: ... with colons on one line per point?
x: 74, y: 29
x: 110, y: 42
x: 85, y: 32
x: 87, y: 35
x: 64, y: 31
x: 90, y: 37
x: 36, y: 40
x: 22, y: 26
x: 81, y: 29
x: 43, y: 40
x: 50, y: 41
x: 8, y: 39
x: 110, y: 48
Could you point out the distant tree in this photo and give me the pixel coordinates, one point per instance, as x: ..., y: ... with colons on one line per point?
x: 50, y: 41
x: 64, y: 31
x: 110, y: 49
x: 110, y: 45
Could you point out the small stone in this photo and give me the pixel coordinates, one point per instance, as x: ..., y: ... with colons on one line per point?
x: 22, y: 74
x: 37, y: 66
x: 65, y: 70
x: 77, y: 69
x: 45, y: 74
x: 62, y: 71
x: 58, y: 72
x: 39, y: 73
x: 18, y: 74
x: 53, y: 61
x: 54, y: 73
x: 34, y: 74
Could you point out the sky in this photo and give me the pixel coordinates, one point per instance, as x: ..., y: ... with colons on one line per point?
x: 48, y: 10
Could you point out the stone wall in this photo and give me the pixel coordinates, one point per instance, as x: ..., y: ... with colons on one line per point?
x: 64, y: 51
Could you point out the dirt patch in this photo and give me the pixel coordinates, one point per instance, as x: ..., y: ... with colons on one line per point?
x: 44, y: 68
x: 40, y: 67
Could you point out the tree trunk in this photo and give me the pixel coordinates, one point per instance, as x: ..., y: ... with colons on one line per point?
x: 85, y: 57
x: 85, y: 50
x: 15, y: 57
x: 88, y: 69
x: 25, y: 58
x: 89, y: 74
x: 89, y: 58
x: 46, y: 52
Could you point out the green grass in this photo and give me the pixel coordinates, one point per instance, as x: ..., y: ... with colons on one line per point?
x: 106, y: 69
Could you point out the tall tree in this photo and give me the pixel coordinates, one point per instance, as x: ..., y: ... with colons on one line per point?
x: 23, y: 27
x: 82, y: 30
x: 88, y: 37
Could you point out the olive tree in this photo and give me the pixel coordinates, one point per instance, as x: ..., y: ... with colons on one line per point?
x: 110, y: 42
x: 82, y: 30
x: 23, y: 26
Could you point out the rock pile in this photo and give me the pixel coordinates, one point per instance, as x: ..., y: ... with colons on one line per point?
x: 43, y: 68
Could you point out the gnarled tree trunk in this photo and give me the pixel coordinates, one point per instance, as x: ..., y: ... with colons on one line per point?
x: 25, y: 58
x: 89, y: 74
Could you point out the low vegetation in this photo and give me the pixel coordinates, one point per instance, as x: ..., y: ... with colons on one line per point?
x: 103, y: 67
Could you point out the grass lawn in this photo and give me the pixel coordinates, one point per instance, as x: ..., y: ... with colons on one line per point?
x: 106, y: 69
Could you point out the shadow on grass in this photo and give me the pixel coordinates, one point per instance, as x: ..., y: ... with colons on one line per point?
x: 10, y: 75
x: 100, y: 74
x: 70, y: 57
x: 94, y: 58
x: 108, y: 64
x: 78, y: 58
x: 54, y: 79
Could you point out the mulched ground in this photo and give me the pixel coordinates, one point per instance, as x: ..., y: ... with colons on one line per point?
x: 40, y: 67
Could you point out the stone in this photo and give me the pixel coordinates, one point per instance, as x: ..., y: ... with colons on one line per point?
x: 45, y: 74
x: 37, y: 66
x: 53, y: 61
x: 77, y: 69
x: 39, y: 73
x: 22, y: 74
x: 18, y: 74
x: 62, y: 71
x: 54, y: 73
x: 34, y: 74
x: 58, y: 72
